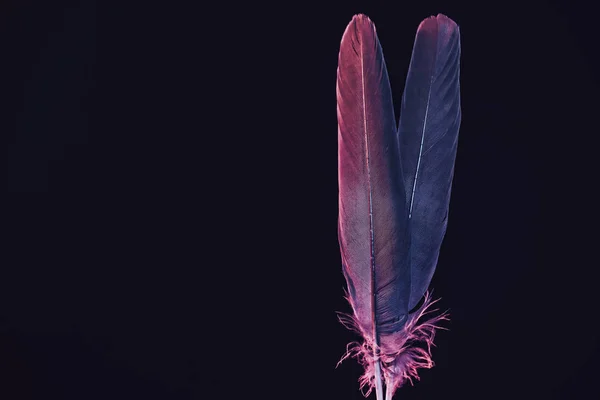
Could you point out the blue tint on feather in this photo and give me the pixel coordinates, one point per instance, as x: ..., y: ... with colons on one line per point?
x: 428, y: 135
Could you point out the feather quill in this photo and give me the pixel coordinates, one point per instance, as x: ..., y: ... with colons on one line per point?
x: 390, y: 179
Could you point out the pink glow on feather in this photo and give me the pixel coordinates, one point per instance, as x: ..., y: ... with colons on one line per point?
x: 399, y: 354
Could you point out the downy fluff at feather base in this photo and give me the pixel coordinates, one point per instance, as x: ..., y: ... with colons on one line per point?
x: 394, y: 193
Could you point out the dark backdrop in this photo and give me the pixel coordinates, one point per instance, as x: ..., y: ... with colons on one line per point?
x: 171, y: 186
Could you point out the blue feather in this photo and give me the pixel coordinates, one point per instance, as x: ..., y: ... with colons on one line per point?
x: 430, y: 117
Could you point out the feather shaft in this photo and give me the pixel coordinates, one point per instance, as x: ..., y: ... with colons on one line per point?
x: 378, y: 379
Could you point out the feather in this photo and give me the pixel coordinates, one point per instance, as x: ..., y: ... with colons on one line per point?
x: 428, y: 135
x: 375, y: 204
x: 372, y: 228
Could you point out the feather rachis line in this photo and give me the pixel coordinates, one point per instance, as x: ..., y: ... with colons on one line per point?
x: 412, y: 197
x: 371, y: 245
x: 378, y: 382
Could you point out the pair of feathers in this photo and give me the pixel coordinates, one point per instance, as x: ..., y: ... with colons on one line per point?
x: 394, y: 193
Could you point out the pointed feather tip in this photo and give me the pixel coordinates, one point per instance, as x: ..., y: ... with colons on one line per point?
x: 361, y: 18
x: 430, y: 23
x: 359, y: 25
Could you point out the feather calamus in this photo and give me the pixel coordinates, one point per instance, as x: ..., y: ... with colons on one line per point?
x: 394, y: 194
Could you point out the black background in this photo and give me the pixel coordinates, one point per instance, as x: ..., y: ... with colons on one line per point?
x: 172, y: 201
